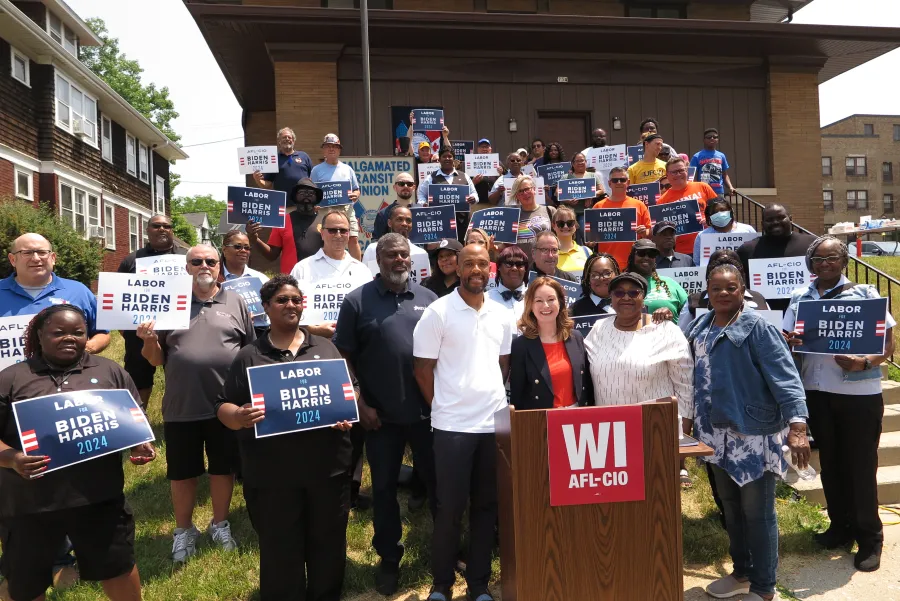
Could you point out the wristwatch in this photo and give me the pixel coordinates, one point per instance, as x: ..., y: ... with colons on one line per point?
x: 867, y: 364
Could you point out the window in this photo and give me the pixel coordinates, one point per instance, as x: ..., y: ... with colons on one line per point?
x: 826, y: 166
x: 109, y: 223
x: 159, y: 195
x: 130, y: 154
x: 144, y: 162
x: 868, y: 129
x: 828, y: 199
x: 24, y: 185
x: 133, y: 236
x: 61, y: 34
x: 856, y: 165
x: 106, y: 134
x: 145, y: 225
x: 76, y: 112
x: 887, y: 172
x: 657, y: 12
x: 888, y: 203
x: 897, y: 133
x: 21, y: 67
x: 93, y: 211
x: 857, y: 199
x: 79, y: 208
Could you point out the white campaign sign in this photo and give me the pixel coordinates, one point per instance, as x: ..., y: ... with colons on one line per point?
x: 692, y: 279
x: 257, y: 158
x: 483, y: 164
x: 161, y: 265
x: 426, y: 169
x: 773, y: 316
x: 12, y: 339
x: 322, y: 299
x: 710, y: 243
x: 777, y: 278
x: 540, y: 194
x: 126, y: 300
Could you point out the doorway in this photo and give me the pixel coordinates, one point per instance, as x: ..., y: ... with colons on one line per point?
x: 569, y: 128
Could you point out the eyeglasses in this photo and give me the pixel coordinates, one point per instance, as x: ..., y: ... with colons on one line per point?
x: 405, y: 184
x: 238, y: 247
x: 337, y: 231
x: 41, y: 253
x: 711, y: 137
x: 524, y: 190
x: 548, y: 251
x: 537, y: 145
x: 569, y: 223
x: 678, y: 171
x: 618, y: 180
x: 603, y: 275
x: 209, y: 262
x: 829, y: 259
x: 283, y: 300
x: 516, y: 264
x: 632, y: 294
x: 161, y: 226
x: 665, y: 186
x: 646, y: 253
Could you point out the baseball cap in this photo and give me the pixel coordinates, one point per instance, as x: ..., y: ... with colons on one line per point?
x: 628, y: 276
x: 424, y: 144
x: 664, y: 225
x: 645, y: 244
x: 521, y: 151
x: 449, y: 244
x: 484, y: 141
x: 332, y: 139
x: 649, y: 137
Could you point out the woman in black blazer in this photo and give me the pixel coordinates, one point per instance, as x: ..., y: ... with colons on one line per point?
x: 548, y: 363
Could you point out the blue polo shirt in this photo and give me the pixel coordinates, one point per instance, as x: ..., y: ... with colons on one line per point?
x: 375, y: 329
x: 15, y: 301
x: 291, y: 169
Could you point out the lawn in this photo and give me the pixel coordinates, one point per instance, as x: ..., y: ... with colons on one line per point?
x: 890, y: 266
x: 215, y: 575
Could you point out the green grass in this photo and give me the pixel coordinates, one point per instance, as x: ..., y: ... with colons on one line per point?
x: 890, y: 266
x: 215, y: 575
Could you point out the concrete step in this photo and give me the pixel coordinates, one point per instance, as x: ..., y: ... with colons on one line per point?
x: 891, y: 392
x: 891, y: 421
x: 888, y: 452
x: 888, y: 486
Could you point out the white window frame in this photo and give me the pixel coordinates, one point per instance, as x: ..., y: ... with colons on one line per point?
x: 130, y: 154
x: 93, y: 202
x: 106, y: 143
x: 109, y: 222
x: 13, y: 55
x: 145, y: 225
x: 159, y: 196
x: 86, y: 198
x: 144, y: 163
x: 71, y: 114
x: 64, y: 35
x: 134, y: 232
x: 30, y: 175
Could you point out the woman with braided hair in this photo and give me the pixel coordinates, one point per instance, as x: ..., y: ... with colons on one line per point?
x: 665, y: 297
x: 599, y: 270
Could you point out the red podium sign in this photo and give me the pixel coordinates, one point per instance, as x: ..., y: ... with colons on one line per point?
x: 596, y: 455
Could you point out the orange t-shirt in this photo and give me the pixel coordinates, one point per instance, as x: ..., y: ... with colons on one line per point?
x: 621, y: 250
x: 560, y: 374
x: 699, y: 191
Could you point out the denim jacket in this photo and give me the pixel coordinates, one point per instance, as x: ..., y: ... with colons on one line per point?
x: 755, y: 386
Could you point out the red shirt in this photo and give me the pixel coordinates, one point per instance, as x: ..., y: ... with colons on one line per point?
x: 283, y: 237
x: 699, y: 191
x: 560, y: 374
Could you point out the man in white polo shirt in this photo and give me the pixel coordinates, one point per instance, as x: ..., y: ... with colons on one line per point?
x: 461, y: 351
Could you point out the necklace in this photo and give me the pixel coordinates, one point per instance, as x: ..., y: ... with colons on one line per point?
x: 730, y: 321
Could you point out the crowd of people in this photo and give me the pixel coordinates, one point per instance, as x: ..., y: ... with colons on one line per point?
x: 431, y: 362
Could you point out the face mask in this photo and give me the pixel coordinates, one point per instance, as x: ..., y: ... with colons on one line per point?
x: 720, y: 219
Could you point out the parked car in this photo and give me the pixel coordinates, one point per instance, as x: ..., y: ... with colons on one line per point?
x: 876, y: 249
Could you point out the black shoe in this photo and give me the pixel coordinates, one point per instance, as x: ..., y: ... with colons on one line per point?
x: 416, y: 502
x: 833, y: 539
x: 439, y: 593
x: 387, y: 580
x: 479, y: 595
x: 361, y: 502
x: 868, y: 558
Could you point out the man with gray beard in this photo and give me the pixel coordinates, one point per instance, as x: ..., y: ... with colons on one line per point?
x: 374, y: 333
x: 196, y: 361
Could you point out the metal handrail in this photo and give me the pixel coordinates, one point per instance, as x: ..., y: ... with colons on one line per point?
x: 749, y: 211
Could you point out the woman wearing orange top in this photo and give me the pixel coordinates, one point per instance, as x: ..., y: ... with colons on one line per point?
x: 548, y: 362
x: 619, y: 199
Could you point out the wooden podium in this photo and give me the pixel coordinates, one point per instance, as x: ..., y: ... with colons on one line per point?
x: 601, y: 552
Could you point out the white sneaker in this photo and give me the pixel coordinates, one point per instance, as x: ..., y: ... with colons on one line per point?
x: 184, y: 544
x: 221, y: 535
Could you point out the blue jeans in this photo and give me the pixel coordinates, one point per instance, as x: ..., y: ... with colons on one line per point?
x: 752, y: 528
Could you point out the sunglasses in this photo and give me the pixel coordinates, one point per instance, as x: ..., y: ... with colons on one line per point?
x: 711, y: 137
x: 405, y: 184
x: 632, y: 294
x: 665, y: 186
x: 618, y: 180
x: 516, y: 264
x: 209, y: 262
x: 337, y: 231
x: 646, y: 253
x: 283, y: 300
x: 161, y: 226
x: 238, y: 247
x: 569, y: 223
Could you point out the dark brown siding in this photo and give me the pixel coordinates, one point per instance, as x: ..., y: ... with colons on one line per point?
x: 36, y: 11
x: 161, y: 169
x: 18, y: 107
x: 115, y: 176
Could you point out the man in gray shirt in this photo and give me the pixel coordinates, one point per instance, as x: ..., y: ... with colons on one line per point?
x: 196, y: 361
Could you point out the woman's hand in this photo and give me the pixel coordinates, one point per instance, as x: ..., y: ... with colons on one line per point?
x: 799, y: 445
x: 145, y: 331
x: 30, y: 466
x: 662, y: 314
x: 248, y: 415
x: 342, y: 426
x: 142, y: 454
x: 851, y: 362
x: 793, y: 338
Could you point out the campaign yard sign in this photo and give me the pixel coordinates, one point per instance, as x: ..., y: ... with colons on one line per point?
x: 502, y: 223
x: 427, y: 120
x: 710, y: 243
x: 646, y: 193
x: 126, y: 300
x: 572, y: 289
x: 335, y: 193
x: 576, y: 188
x: 596, y: 455
x: 168, y: 264
x: 248, y: 288
x: 692, y: 279
x: 302, y: 395
x: 685, y: 214
x: 635, y: 153
x: 607, y: 157
x: 842, y: 327
x: 265, y: 207
x: 12, y: 339
x: 584, y: 323
x: 426, y: 169
x: 257, y: 158
x: 554, y: 172
x: 431, y: 224
x: 449, y: 194
x: 72, y: 427
x: 610, y: 225
x: 461, y: 148
x: 692, y: 173
x: 777, y: 278
x: 482, y: 164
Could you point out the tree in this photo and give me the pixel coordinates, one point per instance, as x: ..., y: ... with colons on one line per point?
x: 184, y: 230
x: 201, y: 203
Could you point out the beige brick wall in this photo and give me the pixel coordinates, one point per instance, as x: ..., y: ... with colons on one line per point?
x: 306, y: 100
x: 796, y: 144
x: 259, y: 130
x: 718, y: 12
x: 599, y: 8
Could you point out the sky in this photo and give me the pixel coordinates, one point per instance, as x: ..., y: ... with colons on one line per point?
x: 163, y: 38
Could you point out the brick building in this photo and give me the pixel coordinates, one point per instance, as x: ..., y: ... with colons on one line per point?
x: 67, y: 140
x: 860, y: 163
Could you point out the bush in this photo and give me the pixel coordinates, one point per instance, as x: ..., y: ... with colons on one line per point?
x: 76, y: 258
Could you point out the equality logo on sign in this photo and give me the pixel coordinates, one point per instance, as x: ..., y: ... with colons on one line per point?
x: 257, y: 158
x: 610, y: 225
x: 596, y: 455
x: 777, y: 278
x: 502, y: 223
x: 431, y: 224
x: 265, y: 207
x: 576, y: 188
x: 482, y: 164
x: 127, y: 300
x: 839, y: 327
x: 449, y: 194
x: 710, y: 243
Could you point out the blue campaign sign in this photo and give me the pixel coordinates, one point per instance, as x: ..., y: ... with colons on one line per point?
x: 610, y: 225
x: 431, y: 224
x: 646, y: 193
x: 635, y: 154
x: 335, y: 193
x: 842, y: 327
x: 576, y: 189
x: 461, y: 148
x: 248, y: 288
x: 449, y: 194
x: 685, y: 214
x: 572, y: 289
x: 302, y: 395
x: 427, y: 120
x: 584, y: 323
x: 266, y: 207
x: 502, y: 222
x: 554, y: 172
x: 71, y: 427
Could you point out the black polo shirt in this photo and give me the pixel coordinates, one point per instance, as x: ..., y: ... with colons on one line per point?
x: 93, y: 481
x: 288, y: 460
x: 375, y: 329
x: 129, y: 263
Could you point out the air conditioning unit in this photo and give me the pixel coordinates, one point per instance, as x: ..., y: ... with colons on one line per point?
x: 96, y: 231
x: 78, y: 128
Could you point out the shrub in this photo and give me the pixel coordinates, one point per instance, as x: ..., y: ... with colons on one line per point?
x: 76, y: 258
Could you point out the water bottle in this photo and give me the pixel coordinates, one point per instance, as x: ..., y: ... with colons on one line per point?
x: 805, y: 474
